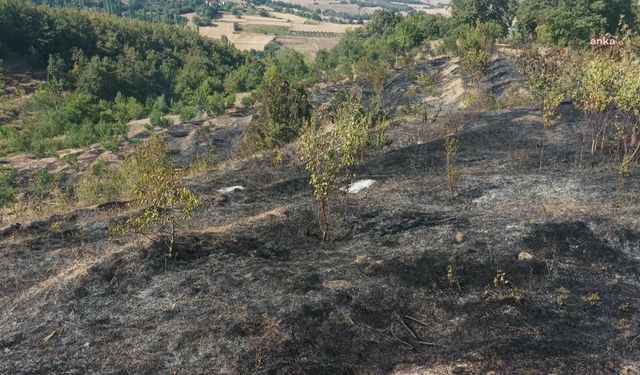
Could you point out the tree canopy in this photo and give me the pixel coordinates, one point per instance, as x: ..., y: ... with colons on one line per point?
x: 573, y: 22
x: 471, y: 11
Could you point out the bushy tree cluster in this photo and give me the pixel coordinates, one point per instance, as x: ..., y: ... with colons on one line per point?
x: 101, y: 68
x: 474, y: 45
x: 164, y: 11
x: 55, y: 121
x: 469, y: 12
x: 573, y: 22
x: 381, y: 42
x: 102, y: 55
x: 604, y: 86
x: 283, y: 108
x: 611, y: 85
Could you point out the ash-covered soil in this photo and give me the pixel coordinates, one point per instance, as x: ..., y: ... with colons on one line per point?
x: 521, y: 271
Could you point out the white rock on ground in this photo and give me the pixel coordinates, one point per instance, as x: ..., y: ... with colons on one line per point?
x: 230, y: 189
x: 359, y: 185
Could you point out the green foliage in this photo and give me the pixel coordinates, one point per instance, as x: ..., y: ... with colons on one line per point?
x: 468, y: 12
x: 8, y: 185
x: 429, y: 82
x: 573, y: 22
x: 148, y: 10
x: 329, y: 155
x: 40, y: 186
x: 382, y: 42
x: 122, y: 110
x: 187, y: 112
x: 475, y: 45
x: 282, y: 110
x: 103, y: 184
x: 247, y: 77
x: 548, y: 79
x: 604, y: 86
x: 101, y: 68
x: 319, y: 153
x: 160, y: 193
x: 283, y: 31
x: 292, y: 66
x: 70, y: 159
x: 103, y: 55
x: 248, y: 101
x: 52, y: 122
x: 612, y: 84
x: 157, y: 120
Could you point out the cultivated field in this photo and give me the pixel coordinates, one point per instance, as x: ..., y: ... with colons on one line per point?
x: 427, y: 6
x: 308, y: 46
x: 256, y: 32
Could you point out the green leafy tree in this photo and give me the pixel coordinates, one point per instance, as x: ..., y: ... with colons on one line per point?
x: 549, y: 80
x: 291, y: 64
x: 282, y: 110
x: 469, y: 12
x: 475, y: 46
x: 329, y: 154
x: 165, y: 203
x: 100, y: 56
x: 57, y: 72
x: 611, y: 85
x: 573, y: 22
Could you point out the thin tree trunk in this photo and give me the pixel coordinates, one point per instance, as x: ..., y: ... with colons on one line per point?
x: 542, y: 143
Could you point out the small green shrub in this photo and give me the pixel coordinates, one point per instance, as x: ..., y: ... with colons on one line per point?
x: 157, y: 120
x: 474, y: 46
x: 103, y: 184
x: 70, y: 159
x: 41, y: 185
x: 99, y: 168
x: 187, y: 112
x: 160, y: 194
x: 429, y: 82
x: 329, y: 155
x: 8, y: 185
x: 248, y: 101
x: 478, y: 101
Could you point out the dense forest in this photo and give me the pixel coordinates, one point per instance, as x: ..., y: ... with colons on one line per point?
x: 110, y: 70
x: 96, y: 59
x: 165, y: 11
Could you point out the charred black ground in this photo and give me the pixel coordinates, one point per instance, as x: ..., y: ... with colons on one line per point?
x: 253, y: 289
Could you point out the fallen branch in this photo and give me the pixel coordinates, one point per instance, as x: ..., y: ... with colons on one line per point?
x: 409, y: 346
x: 416, y: 321
x: 413, y: 332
